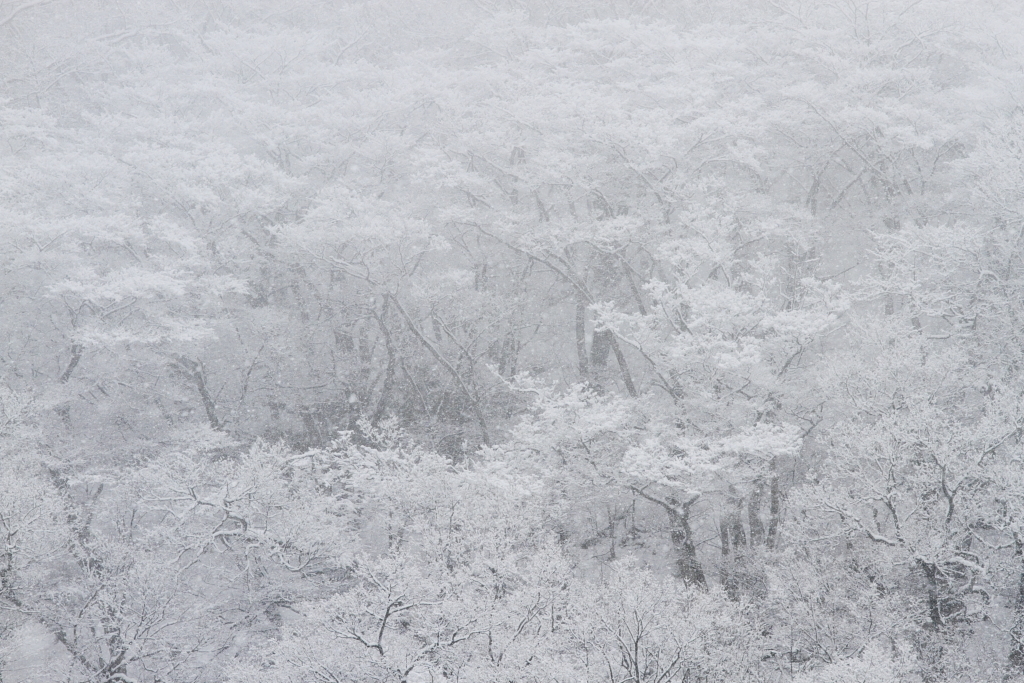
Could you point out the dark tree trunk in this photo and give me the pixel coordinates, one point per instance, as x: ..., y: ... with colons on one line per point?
x: 508, y: 359
x: 757, y: 532
x: 581, y: 337
x: 687, y: 566
x: 734, y: 538
x: 1017, y: 630
x: 64, y: 409
x: 389, y: 372
x: 726, y: 572
x: 195, y: 371
x: 737, y: 534
x: 774, y: 512
x: 116, y: 669
x: 600, y: 348
x: 76, y: 356
x: 627, y: 377
x: 931, y: 575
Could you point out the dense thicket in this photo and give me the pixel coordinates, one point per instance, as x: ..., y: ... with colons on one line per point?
x: 505, y: 340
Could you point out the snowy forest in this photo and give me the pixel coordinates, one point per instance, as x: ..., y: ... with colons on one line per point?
x: 511, y: 341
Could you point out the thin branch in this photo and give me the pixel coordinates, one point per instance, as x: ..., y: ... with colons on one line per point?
x: 18, y: 10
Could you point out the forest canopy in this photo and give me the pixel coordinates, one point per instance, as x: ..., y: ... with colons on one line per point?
x: 637, y: 341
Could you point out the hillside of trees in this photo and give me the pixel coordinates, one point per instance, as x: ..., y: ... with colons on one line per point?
x: 492, y: 341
